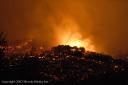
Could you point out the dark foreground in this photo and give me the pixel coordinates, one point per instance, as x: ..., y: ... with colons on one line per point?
x: 64, y: 65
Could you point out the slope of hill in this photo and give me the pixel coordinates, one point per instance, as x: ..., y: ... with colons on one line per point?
x: 63, y: 63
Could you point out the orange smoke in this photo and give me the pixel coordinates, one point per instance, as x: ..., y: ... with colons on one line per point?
x: 67, y: 33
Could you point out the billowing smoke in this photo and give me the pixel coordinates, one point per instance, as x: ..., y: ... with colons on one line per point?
x: 103, y: 22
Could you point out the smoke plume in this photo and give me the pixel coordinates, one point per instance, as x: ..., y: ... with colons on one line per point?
x: 103, y: 22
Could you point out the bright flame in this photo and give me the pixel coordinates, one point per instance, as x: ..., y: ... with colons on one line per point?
x: 86, y: 43
x: 73, y: 40
x: 75, y: 43
x: 68, y: 34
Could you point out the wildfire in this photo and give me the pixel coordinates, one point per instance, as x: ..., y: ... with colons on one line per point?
x: 68, y: 34
x: 76, y: 41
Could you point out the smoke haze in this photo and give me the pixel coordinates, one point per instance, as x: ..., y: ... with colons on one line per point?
x: 104, y: 22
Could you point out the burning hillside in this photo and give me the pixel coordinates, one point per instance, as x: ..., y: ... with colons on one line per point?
x: 64, y: 63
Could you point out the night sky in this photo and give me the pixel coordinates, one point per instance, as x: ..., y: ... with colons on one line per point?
x: 104, y: 22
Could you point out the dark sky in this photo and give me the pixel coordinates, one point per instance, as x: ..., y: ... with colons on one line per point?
x: 104, y: 21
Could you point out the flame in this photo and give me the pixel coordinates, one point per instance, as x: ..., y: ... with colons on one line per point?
x: 75, y: 43
x: 68, y: 34
x: 76, y: 40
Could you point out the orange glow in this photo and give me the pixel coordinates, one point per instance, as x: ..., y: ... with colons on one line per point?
x: 18, y: 46
x: 41, y: 48
x: 86, y: 43
x: 75, y: 43
x: 68, y: 34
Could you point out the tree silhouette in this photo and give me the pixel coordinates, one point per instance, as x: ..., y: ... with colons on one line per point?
x: 3, y: 43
